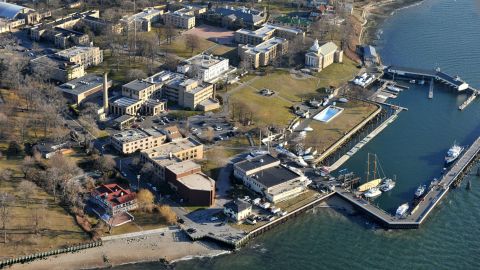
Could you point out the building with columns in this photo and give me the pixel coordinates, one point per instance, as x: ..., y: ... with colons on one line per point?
x: 319, y: 57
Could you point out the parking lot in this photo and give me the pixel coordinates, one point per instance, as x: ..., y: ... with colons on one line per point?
x: 217, y: 127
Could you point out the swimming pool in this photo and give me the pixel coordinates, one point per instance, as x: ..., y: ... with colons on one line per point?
x: 328, y: 113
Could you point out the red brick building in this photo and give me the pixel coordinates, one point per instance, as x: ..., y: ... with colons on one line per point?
x: 193, y: 186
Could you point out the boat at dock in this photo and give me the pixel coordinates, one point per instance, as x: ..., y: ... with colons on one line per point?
x: 402, y: 210
x: 453, y: 153
x: 434, y: 183
x: 372, y: 193
x: 420, y: 191
x: 387, y: 185
x: 369, y: 185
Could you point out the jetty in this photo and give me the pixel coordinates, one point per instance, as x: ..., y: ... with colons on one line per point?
x: 427, y: 203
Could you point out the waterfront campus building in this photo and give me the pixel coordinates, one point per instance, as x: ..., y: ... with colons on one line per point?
x: 265, y: 175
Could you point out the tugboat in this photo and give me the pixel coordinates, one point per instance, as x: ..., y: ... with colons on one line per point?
x: 402, y: 210
x: 420, y: 190
x: 453, y: 153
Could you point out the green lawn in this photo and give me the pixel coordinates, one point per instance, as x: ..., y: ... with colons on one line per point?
x: 265, y: 110
x: 326, y: 134
x: 179, y: 48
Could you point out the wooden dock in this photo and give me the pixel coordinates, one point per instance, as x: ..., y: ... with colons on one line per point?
x: 420, y: 212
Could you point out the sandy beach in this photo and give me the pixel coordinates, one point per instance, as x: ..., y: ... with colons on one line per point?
x: 169, y: 246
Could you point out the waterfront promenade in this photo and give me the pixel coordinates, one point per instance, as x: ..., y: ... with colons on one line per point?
x: 428, y: 202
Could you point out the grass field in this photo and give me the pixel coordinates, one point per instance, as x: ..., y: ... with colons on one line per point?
x: 248, y: 99
x: 218, y: 156
x: 143, y: 221
x: 57, y: 227
x: 326, y: 134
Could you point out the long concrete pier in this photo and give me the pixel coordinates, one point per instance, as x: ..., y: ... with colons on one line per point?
x: 414, y: 73
x: 428, y: 202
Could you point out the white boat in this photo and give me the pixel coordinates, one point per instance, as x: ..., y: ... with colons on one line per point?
x: 314, y: 152
x: 308, y: 129
x: 412, y: 81
x: 255, y: 153
x: 402, y: 210
x: 308, y: 157
x: 420, y: 190
x: 387, y: 185
x: 372, y: 193
x: 307, y: 151
x: 453, y: 153
x: 301, y: 162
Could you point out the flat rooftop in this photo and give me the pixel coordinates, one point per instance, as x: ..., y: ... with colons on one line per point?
x: 164, y: 76
x: 74, y: 51
x: 274, y: 176
x: 266, y: 45
x: 198, y: 181
x: 83, y: 84
x: 136, y: 134
x: 53, y: 62
x: 137, y: 85
x: 145, y: 13
x: 256, y: 162
x: 205, y: 61
x: 184, y: 166
x: 125, y: 102
x: 172, y: 147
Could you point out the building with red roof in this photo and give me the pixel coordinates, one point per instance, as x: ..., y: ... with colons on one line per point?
x: 111, y: 200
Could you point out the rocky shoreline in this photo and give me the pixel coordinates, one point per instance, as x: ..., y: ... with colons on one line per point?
x: 378, y: 12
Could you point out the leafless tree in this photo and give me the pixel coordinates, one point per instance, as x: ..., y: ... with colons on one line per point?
x: 27, y: 189
x: 6, y: 202
x: 134, y: 74
x: 192, y: 42
x: 171, y: 61
x: 39, y: 216
x: 169, y: 33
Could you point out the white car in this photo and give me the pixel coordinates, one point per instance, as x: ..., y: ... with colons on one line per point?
x: 214, y: 219
x: 217, y: 128
x: 194, y: 129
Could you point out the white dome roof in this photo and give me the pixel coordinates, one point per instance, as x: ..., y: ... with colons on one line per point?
x: 315, y: 47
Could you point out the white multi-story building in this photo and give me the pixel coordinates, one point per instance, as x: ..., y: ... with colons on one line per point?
x: 182, y: 18
x: 132, y: 140
x: 205, y: 67
x: 82, y: 55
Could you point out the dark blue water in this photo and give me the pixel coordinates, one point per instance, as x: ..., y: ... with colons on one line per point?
x: 435, y: 33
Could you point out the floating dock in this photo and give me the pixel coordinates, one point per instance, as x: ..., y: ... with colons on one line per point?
x: 430, y: 90
x: 418, y: 215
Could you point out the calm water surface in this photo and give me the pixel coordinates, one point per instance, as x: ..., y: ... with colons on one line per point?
x: 435, y: 33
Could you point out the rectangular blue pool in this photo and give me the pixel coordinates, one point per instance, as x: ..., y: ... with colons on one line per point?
x: 328, y: 113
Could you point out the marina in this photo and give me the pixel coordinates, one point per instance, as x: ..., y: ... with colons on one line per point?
x: 427, y: 202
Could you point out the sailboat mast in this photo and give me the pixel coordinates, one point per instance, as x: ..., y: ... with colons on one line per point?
x: 375, y: 167
x: 368, y: 167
